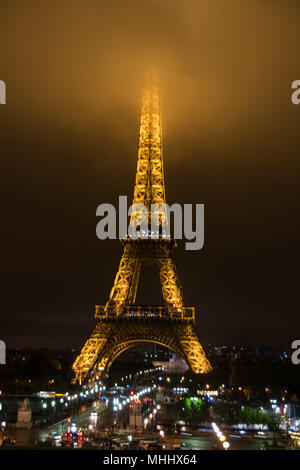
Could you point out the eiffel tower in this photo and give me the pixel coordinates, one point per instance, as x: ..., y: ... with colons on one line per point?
x: 120, y: 324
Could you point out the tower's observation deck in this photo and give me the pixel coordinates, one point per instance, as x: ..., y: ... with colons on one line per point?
x: 145, y: 312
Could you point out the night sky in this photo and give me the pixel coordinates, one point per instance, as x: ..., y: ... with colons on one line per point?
x: 68, y: 141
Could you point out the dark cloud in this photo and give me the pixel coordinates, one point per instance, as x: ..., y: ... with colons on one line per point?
x: 74, y: 72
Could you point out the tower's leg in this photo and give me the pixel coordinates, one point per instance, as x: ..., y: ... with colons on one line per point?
x: 192, y: 349
x: 127, y: 278
x: 109, y: 353
x: 90, y: 352
x: 134, y: 282
x: 170, y: 283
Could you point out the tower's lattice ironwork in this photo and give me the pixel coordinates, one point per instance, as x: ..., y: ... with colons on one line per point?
x: 120, y: 324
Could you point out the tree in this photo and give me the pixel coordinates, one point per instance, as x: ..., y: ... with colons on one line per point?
x: 228, y: 413
x: 194, y: 410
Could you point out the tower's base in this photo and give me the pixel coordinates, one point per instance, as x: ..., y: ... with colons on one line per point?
x: 112, y: 336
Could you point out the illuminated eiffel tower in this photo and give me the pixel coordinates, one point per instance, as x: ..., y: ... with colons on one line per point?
x: 120, y: 324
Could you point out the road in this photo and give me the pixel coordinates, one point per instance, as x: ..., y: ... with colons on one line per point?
x: 105, y: 417
x: 96, y: 416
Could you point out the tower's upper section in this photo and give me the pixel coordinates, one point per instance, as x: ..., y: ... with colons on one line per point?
x: 149, y: 184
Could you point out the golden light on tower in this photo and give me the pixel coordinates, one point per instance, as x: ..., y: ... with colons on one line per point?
x: 121, y: 324
x: 149, y: 184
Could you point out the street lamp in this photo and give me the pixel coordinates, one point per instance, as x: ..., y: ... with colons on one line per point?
x: 273, y: 404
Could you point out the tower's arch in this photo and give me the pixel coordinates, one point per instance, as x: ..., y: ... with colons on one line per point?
x: 128, y: 345
x: 112, y: 336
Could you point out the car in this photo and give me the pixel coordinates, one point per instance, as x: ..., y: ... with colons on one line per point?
x: 145, y: 444
x: 176, y: 447
x: 7, y: 441
x: 53, y: 437
x: 156, y: 446
x: 124, y: 445
x: 68, y: 443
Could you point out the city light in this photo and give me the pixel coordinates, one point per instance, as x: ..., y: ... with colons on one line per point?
x: 220, y: 436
